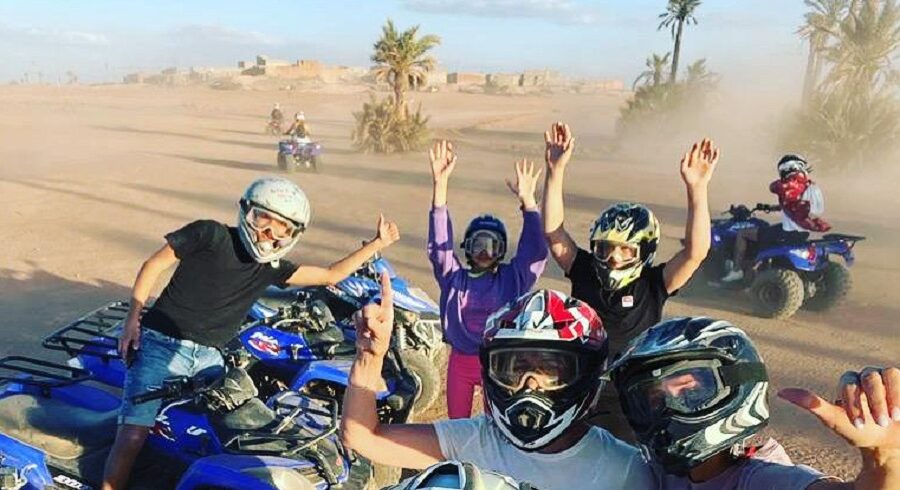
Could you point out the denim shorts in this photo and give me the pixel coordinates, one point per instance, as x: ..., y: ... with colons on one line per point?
x: 160, y: 357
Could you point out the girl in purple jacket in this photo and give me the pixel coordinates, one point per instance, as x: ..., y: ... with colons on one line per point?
x: 471, y: 293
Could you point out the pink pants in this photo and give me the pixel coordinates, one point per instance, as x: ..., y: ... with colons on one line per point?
x: 463, y: 375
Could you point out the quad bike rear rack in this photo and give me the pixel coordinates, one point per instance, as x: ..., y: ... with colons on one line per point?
x: 839, y: 237
x: 92, y: 334
x: 42, y: 374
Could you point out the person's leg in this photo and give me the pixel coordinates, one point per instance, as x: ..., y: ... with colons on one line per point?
x: 459, y: 386
x: 129, y: 441
x: 741, y: 242
x: 158, y: 359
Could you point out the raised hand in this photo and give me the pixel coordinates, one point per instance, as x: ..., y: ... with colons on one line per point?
x: 526, y: 183
x: 698, y: 164
x: 375, y: 322
x: 443, y: 160
x: 868, y: 413
x: 387, y: 232
x: 559, y: 144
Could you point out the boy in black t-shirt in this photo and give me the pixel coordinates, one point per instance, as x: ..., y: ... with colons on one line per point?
x: 221, y: 271
x: 617, y: 276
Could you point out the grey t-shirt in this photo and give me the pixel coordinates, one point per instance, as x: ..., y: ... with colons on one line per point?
x: 769, y: 469
x: 598, y: 461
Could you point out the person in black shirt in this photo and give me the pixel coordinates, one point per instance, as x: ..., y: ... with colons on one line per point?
x: 617, y: 276
x: 221, y: 270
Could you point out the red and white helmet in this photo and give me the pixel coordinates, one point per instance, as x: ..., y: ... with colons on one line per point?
x: 542, y: 359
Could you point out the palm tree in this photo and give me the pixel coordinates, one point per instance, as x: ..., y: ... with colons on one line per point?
x: 653, y: 75
x: 677, y: 14
x: 698, y: 74
x: 401, y: 60
x: 854, y: 117
x: 822, y: 22
x: 866, y: 42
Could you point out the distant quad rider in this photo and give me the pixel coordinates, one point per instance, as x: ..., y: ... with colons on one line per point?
x: 277, y: 116
x: 801, y: 204
x: 299, y: 130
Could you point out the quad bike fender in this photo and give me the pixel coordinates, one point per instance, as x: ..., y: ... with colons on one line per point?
x: 334, y: 372
x: 30, y: 462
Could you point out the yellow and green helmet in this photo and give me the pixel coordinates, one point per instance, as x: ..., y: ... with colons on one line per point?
x: 626, y: 224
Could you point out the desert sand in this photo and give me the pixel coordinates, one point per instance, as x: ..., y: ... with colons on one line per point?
x: 92, y: 178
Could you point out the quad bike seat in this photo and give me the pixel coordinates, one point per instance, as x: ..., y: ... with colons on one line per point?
x: 61, y: 430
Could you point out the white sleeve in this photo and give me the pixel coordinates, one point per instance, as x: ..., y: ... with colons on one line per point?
x: 455, y: 437
x: 816, y: 200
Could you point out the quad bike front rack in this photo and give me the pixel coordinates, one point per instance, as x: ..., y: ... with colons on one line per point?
x: 42, y: 374
x: 93, y: 334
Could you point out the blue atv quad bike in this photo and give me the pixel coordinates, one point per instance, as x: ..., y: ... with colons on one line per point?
x: 280, y: 354
x: 325, y: 314
x: 786, y: 274
x: 295, y: 154
x: 57, y: 425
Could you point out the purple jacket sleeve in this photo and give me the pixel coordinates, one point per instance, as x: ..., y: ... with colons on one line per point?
x: 531, y: 253
x: 440, y: 245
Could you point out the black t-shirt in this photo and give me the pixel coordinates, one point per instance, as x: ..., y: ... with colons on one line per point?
x: 214, y: 285
x: 625, y: 312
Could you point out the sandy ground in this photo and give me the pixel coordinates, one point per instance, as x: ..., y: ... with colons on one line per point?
x: 93, y: 177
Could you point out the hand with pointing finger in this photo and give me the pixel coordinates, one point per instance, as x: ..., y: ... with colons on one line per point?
x: 375, y: 322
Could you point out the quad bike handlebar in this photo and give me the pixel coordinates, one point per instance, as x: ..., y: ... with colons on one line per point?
x: 173, y: 389
x: 742, y: 212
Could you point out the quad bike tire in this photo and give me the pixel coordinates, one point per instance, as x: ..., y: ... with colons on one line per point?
x: 428, y: 376
x: 284, y: 165
x: 777, y: 293
x: 832, y: 289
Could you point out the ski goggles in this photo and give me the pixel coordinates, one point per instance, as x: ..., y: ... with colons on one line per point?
x: 281, y: 228
x: 485, y: 242
x: 539, y: 368
x: 623, y: 253
x: 686, y: 388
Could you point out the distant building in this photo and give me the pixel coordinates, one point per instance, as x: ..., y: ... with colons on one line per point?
x: 504, y: 80
x: 466, y: 78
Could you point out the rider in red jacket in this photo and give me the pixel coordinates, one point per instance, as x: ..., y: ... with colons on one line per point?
x: 800, y: 202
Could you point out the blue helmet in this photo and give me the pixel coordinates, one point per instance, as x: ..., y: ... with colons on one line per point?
x: 485, y: 224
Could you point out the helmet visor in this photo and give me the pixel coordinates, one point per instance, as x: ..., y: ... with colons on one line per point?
x: 538, y: 368
x: 486, y: 242
x: 791, y: 166
x: 615, y: 253
x: 685, y: 388
x: 262, y: 220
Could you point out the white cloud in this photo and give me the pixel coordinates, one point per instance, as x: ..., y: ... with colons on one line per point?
x: 29, y: 36
x: 557, y: 11
x: 216, y: 34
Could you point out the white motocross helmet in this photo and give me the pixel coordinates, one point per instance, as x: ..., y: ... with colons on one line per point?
x: 454, y: 475
x: 281, y: 199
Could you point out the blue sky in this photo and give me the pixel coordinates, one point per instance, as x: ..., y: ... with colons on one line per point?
x: 102, y: 39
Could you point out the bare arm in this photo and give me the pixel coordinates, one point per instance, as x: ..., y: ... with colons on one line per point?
x: 697, y: 167
x: 559, y: 145
x: 150, y: 271
x: 868, y: 418
x: 404, y: 445
x: 340, y: 270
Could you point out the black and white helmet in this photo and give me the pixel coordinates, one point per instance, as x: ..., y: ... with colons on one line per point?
x: 691, y: 388
x: 455, y: 475
x: 277, y: 201
x: 790, y: 163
